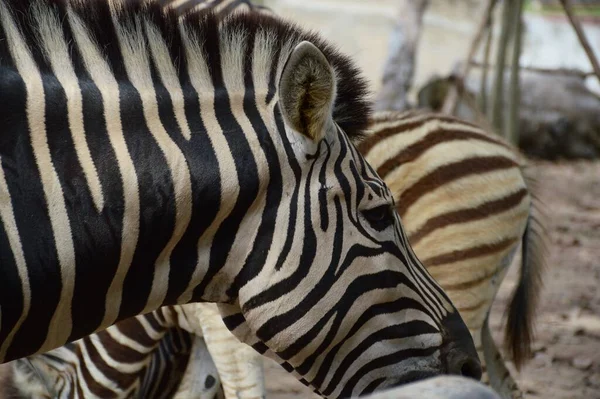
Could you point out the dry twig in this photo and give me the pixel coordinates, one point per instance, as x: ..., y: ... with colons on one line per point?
x: 452, y: 97
x: 581, y: 36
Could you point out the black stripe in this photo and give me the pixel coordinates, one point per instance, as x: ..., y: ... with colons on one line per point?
x: 234, y: 321
x: 245, y: 164
x: 157, y: 199
x: 372, y: 386
x: 30, y: 211
x: 307, y: 254
x: 260, y: 249
x: 205, y: 180
x: 293, y: 164
x: 371, y: 312
x: 406, y: 330
x: 11, y: 294
x: 323, y: 197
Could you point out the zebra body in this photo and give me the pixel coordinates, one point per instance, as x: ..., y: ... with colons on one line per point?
x: 239, y: 366
x: 151, y: 160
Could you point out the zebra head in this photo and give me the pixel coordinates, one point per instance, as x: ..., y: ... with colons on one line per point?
x: 341, y: 299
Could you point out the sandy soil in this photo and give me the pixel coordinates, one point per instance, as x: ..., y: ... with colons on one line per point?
x: 566, y: 363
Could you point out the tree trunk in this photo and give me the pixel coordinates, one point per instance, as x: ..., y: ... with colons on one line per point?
x: 496, y: 114
x: 512, y: 130
x: 451, y: 100
x: 399, y: 68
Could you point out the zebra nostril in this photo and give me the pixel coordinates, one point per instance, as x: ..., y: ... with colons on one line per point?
x: 462, y: 363
x: 209, y: 382
x: 471, y: 369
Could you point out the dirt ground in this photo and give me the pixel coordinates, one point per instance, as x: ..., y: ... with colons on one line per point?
x: 566, y: 363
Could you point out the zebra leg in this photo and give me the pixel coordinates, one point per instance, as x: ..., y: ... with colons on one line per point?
x: 201, y: 379
x: 499, y: 376
x: 239, y: 365
x: 496, y: 373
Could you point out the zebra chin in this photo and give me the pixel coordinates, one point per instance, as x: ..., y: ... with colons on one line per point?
x: 455, y: 356
x: 411, y: 377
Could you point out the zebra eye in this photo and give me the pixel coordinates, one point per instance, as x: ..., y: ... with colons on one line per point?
x: 380, y: 217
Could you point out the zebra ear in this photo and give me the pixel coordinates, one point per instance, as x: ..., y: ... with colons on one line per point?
x: 307, y: 91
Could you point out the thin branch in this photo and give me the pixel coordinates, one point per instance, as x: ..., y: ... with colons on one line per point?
x: 471, y: 102
x: 486, y: 58
x: 551, y: 71
x: 452, y: 97
x: 581, y: 36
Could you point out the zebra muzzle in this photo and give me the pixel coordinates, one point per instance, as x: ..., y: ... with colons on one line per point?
x: 458, y: 351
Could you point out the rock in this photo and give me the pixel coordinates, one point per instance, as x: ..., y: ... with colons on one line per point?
x: 441, y: 387
x: 582, y: 363
x: 558, y: 117
x: 538, y: 347
x: 593, y: 380
x: 541, y: 360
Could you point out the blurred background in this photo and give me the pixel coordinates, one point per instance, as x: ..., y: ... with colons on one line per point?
x: 444, y: 55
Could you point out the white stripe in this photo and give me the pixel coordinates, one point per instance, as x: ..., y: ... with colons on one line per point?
x: 61, y: 322
x: 137, y: 63
x: 10, y: 225
x: 106, y: 83
x: 232, y: 48
x: 116, y: 334
x: 168, y: 76
x: 129, y: 368
x: 177, y: 3
x: 263, y: 61
x: 85, y: 362
x: 57, y: 52
x: 229, y: 182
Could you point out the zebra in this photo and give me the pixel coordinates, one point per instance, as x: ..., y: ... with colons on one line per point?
x: 468, y: 195
x: 155, y: 160
x: 143, y: 356
x: 407, y: 146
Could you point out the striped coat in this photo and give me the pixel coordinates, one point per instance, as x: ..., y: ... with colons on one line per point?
x: 150, y: 160
x: 467, y: 202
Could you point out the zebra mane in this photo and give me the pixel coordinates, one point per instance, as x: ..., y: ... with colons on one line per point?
x: 274, y: 37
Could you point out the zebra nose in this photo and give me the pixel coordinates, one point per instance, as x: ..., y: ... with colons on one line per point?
x: 458, y: 351
x: 463, y: 364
